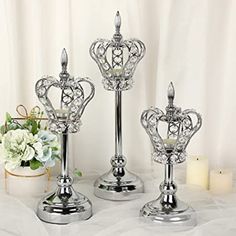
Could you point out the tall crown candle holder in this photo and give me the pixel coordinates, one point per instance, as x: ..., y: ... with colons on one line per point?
x: 64, y: 205
x: 118, y: 183
x: 180, y: 126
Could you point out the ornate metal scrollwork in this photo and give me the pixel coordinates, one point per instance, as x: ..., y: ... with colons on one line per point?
x: 73, y: 99
x: 181, y: 128
x: 118, y: 73
x: 169, y: 149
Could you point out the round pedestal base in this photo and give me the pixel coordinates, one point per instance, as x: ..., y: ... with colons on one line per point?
x: 118, y: 188
x: 182, y: 214
x: 64, y: 208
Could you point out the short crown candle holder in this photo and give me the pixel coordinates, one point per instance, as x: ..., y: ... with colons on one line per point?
x: 118, y: 183
x: 180, y: 126
x: 64, y: 205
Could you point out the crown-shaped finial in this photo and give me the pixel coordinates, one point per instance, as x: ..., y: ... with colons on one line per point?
x: 116, y: 72
x: 171, y: 93
x: 117, y: 37
x: 181, y: 126
x: 117, y: 22
x: 64, y: 75
x: 74, y: 99
x: 64, y: 60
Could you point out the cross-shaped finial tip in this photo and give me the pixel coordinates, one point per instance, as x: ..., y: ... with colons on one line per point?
x: 64, y: 59
x: 171, y: 91
x: 117, y: 22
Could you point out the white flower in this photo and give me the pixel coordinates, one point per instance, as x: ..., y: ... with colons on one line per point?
x: 47, y: 136
x: 28, y: 153
x: 17, y: 147
x: 21, y: 145
x: 38, y: 147
x: 51, y: 147
x: 47, y: 154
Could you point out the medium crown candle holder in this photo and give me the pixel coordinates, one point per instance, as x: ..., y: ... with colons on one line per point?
x: 118, y: 183
x: 64, y: 205
x: 180, y: 126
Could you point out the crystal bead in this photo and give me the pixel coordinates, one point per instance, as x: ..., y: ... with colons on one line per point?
x: 101, y: 50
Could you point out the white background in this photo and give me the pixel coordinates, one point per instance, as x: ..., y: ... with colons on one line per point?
x: 189, y: 42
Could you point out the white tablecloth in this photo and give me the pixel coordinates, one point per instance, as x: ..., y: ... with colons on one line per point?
x: 216, y: 215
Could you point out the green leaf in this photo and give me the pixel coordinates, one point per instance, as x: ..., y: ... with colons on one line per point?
x: 57, y: 157
x: 8, y: 117
x: 3, y: 129
x: 39, y: 125
x: 54, y: 148
x: 34, y: 128
x: 35, y: 164
x: 78, y: 173
x: 27, y: 125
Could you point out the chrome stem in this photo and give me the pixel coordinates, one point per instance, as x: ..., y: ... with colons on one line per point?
x: 64, y: 155
x: 118, y: 124
x: 168, y: 174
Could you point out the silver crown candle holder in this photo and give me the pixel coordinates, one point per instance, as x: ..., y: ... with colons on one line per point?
x: 178, y: 127
x: 64, y: 205
x: 118, y: 183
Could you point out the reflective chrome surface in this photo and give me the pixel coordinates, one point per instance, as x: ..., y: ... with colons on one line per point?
x: 184, y: 215
x: 181, y: 126
x: 118, y: 183
x: 64, y: 205
x: 167, y: 208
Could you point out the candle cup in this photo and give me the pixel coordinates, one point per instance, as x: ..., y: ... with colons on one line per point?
x: 221, y: 181
x: 197, y: 171
x: 61, y: 114
x: 169, y: 144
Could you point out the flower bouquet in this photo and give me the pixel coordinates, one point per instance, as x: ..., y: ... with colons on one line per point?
x: 27, y: 149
